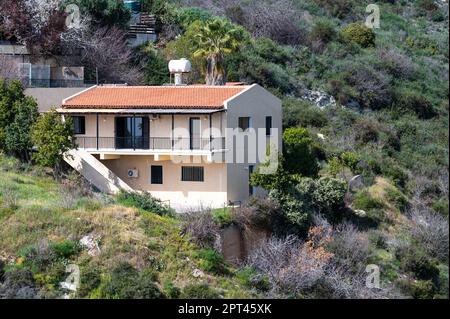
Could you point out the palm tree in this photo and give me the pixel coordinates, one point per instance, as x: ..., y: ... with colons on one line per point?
x: 214, y: 40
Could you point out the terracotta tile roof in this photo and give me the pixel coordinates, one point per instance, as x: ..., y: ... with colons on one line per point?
x: 148, y: 97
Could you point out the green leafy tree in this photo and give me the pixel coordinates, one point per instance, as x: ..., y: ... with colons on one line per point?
x: 53, y: 137
x: 155, y: 71
x: 215, y: 40
x: 300, y: 152
x: 104, y: 12
x: 9, y: 94
x: 18, y: 133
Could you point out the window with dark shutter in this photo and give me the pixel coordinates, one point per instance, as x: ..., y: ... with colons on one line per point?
x: 244, y: 123
x: 79, y: 125
x: 192, y: 174
x: 156, y: 174
x: 268, y: 125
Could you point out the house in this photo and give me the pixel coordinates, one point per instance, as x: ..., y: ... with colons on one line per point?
x: 186, y: 144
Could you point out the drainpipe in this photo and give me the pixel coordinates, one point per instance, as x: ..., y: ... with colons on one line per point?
x: 210, y: 132
x: 173, y: 127
x: 97, y: 130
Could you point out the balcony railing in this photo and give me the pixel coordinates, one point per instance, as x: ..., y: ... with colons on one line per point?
x: 150, y: 143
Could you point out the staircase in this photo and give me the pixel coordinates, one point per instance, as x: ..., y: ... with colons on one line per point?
x: 146, y: 25
x: 95, y: 172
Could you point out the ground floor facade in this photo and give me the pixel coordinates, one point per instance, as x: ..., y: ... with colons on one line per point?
x: 182, y: 182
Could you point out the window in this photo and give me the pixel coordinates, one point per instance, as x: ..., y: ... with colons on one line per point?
x: 251, y: 189
x: 244, y: 123
x: 156, y: 174
x: 79, y: 124
x: 268, y: 125
x: 192, y: 174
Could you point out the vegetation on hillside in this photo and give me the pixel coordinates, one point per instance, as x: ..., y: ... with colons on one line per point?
x: 141, y: 254
x: 362, y: 179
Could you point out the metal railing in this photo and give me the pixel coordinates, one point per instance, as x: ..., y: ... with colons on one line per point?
x: 150, y: 143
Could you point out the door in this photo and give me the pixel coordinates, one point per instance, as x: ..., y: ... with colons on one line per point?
x: 132, y: 133
x: 194, y: 133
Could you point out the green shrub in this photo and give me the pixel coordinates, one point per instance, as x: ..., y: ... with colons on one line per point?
x: 323, y: 31
x: 397, y: 198
x: 302, y: 113
x: 421, y: 289
x: 212, y: 261
x: 199, y: 291
x: 171, y: 291
x: 378, y: 239
x: 441, y: 206
x: 66, y: 248
x: 222, y: 216
x: 360, y: 34
x: 125, y: 282
x: 329, y: 195
x: 144, y: 201
x: 90, y: 279
x: 363, y: 200
x: 373, y: 207
x: 412, y: 102
x: 337, y: 8
x: 413, y: 259
x: 250, y: 278
x: 300, y: 152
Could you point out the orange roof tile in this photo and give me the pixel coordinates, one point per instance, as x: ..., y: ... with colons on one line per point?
x: 148, y: 97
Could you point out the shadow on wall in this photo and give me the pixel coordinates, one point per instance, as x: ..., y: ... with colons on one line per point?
x: 238, y: 243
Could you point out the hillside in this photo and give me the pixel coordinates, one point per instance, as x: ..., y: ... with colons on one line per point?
x: 362, y: 182
x: 141, y: 254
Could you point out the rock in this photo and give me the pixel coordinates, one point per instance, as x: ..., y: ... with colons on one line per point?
x: 320, y: 99
x: 321, y: 136
x: 90, y: 242
x: 356, y: 183
x: 360, y: 213
x: 197, y: 273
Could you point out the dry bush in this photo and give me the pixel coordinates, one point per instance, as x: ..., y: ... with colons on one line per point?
x: 397, y: 63
x: 258, y: 213
x: 277, y: 20
x: 201, y: 228
x: 310, y: 268
x: 431, y: 230
x: 350, y: 246
x: 293, y: 266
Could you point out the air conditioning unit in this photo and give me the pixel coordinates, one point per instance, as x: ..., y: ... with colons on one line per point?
x: 133, y: 173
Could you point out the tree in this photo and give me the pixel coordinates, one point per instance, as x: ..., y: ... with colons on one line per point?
x: 53, y: 137
x: 38, y: 24
x: 300, y: 152
x: 214, y: 40
x: 17, y: 134
x: 104, y: 13
x: 10, y: 93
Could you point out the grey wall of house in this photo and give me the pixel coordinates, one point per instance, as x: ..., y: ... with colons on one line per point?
x: 256, y: 103
x: 51, y: 97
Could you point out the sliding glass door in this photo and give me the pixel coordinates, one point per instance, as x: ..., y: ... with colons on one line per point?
x: 132, y: 133
x: 194, y: 132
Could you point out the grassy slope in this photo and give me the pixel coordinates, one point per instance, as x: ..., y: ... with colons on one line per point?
x: 126, y: 234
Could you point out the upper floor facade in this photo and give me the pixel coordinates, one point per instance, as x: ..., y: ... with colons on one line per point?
x: 174, y: 120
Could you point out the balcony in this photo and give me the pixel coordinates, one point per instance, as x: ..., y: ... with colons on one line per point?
x: 150, y: 144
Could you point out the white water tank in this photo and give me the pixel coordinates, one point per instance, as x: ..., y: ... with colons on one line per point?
x: 180, y: 66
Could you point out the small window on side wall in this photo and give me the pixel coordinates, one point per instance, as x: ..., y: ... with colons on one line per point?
x: 268, y: 125
x: 192, y: 174
x: 244, y: 123
x: 79, y: 125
